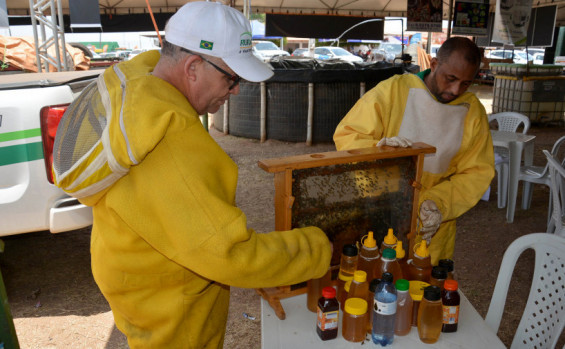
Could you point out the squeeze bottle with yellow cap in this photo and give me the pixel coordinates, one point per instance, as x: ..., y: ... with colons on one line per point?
x: 420, y: 267
x: 402, y: 258
x: 368, y: 254
x: 389, y: 241
x: 359, y: 287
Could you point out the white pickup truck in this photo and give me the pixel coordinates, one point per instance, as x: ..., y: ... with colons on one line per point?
x: 31, y: 106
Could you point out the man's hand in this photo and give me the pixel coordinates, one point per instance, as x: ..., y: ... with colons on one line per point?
x: 395, y: 142
x: 430, y: 218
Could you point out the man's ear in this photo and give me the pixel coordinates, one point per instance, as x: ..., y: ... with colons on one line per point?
x: 433, y: 63
x: 190, y: 66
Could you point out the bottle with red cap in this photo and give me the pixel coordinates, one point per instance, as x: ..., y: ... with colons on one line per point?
x: 328, y: 314
x: 450, y: 301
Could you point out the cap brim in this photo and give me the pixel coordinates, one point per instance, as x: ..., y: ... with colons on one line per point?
x: 250, y: 68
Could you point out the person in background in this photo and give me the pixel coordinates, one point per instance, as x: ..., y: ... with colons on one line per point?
x: 167, y: 239
x: 432, y: 107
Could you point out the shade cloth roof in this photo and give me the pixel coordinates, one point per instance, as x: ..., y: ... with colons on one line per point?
x: 392, y: 8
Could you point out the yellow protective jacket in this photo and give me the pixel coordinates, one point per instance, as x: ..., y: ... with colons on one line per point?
x: 167, y: 238
x: 458, y: 174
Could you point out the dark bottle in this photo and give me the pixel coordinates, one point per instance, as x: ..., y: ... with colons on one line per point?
x: 447, y: 264
x: 347, y: 267
x: 328, y: 314
x: 450, y: 302
x: 439, y: 274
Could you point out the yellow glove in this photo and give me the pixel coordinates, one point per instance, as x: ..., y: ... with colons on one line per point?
x: 395, y: 142
x: 430, y: 219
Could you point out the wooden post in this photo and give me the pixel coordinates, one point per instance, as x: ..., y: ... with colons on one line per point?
x: 226, y: 117
x: 263, y: 116
x: 310, y: 113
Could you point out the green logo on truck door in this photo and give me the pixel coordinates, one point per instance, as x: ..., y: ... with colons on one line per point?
x: 14, y: 154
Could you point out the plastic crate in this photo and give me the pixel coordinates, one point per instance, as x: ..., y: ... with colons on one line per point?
x: 520, y: 70
x: 541, y: 98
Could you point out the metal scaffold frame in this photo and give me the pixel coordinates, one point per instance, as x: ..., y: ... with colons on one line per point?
x: 43, y: 16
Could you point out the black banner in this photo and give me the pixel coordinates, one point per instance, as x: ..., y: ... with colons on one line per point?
x: 85, y: 13
x: 324, y: 27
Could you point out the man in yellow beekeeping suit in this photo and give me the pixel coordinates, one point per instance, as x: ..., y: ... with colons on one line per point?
x: 167, y: 239
x: 432, y: 107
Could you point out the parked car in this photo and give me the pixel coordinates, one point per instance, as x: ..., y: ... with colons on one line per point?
x: 499, y: 54
x: 330, y: 52
x: 392, y: 51
x: 533, y: 51
x: 538, y: 58
x: 136, y: 52
x: 300, y: 52
x: 266, y: 50
x: 519, y: 57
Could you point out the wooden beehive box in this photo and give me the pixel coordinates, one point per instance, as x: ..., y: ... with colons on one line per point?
x: 346, y: 194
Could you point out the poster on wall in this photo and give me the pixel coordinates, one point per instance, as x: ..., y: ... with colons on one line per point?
x: 424, y: 15
x: 471, y: 18
x: 511, y: 21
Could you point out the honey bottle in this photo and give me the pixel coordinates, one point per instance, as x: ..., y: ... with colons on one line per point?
x: 430, y: 315
x: 368, y: 254
x: 450, y: 300
x: 420, y: 267
x: 389, y: 241
x: 315, y: 287
x: 402, y: 258
x: 347, y: 266
x: 355, y: 320
x: 438, y: 276
x: 388, y: 263
x: 359, y: 287
x: 328, y: 314
x: 404, y: 305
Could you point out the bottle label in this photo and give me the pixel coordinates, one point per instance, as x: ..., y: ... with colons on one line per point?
x: 385, y: 308
x: 450, y: 314
x: 327, y: 321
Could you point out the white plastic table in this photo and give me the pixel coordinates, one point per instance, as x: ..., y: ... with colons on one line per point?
x: 515, y: 143
x: 298, y: 331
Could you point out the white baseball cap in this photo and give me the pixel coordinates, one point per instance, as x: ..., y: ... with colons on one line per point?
x: 214, y: 29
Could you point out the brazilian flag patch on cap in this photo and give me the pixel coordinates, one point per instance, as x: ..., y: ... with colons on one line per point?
x: 207, y: 45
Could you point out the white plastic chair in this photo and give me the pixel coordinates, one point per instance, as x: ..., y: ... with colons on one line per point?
x: 510, y: 122
x: 538, y: 175
x: 542, y: 319
x: 556, y: 222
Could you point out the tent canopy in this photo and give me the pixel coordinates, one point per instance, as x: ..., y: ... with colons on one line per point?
x: 368, y: 8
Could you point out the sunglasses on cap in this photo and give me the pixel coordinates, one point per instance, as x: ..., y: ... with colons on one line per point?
x: 235, y: 79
